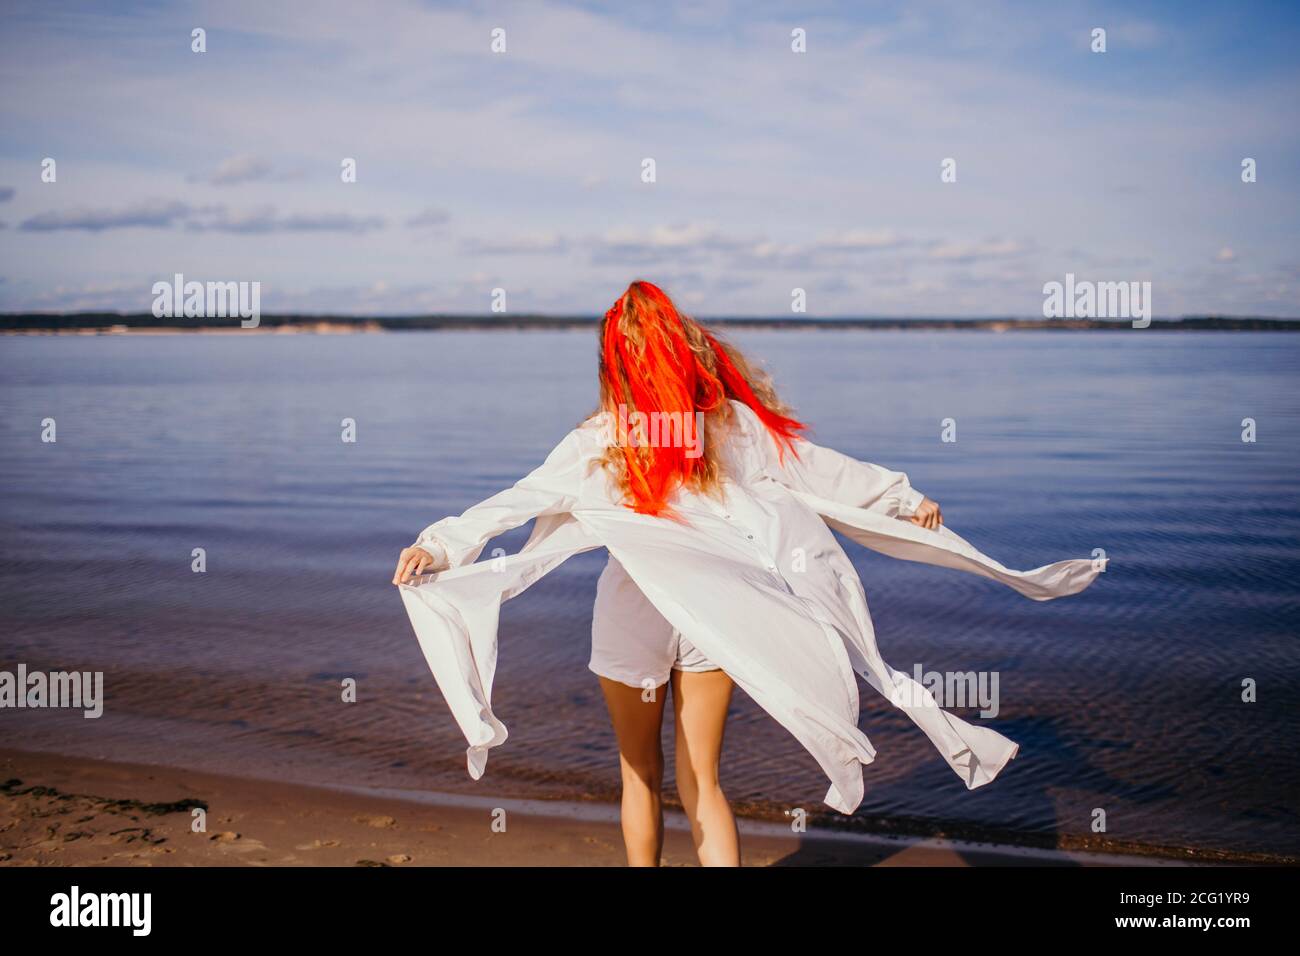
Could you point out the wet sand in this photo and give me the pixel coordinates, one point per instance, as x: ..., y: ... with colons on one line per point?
x: 66, y: 811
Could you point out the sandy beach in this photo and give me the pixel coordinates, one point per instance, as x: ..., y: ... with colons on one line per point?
x: 64, y: 811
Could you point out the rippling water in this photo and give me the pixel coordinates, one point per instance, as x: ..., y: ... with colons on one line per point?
x: 1127, y: 698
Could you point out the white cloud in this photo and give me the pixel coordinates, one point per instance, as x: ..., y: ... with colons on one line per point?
x: 971, y: 251
x: 148, y: 213
x: 774, y: 167
x: 164, y: 214
x: 430, y: 216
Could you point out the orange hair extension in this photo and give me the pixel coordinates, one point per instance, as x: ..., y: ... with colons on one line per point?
x: 656, y: 360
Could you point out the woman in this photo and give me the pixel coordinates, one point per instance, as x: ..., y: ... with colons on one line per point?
x: 717, y: 515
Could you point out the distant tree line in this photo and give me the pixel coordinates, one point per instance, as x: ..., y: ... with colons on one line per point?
x: 106, y: 321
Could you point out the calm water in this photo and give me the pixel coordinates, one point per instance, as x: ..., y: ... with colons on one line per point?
x: 1126, y: 698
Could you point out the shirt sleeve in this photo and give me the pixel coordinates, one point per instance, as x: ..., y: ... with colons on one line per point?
x: 550, y: 488
x: 830, y: 474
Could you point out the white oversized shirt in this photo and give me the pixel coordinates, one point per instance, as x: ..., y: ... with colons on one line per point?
x: 756, y: 581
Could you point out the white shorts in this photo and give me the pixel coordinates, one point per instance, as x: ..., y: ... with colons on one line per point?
x: 631, y: 642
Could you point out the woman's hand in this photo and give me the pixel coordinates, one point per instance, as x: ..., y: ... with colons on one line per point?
x: 416, y: 561
x: 927, y: 515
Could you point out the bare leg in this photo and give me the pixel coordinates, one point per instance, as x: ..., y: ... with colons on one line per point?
x: 637, y: 724
x: 700, y: 702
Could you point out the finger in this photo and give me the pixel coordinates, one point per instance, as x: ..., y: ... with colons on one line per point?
x: 405, y: 573
x: 398, y: 570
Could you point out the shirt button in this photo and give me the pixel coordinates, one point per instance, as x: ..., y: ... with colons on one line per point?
x: 750, y: 537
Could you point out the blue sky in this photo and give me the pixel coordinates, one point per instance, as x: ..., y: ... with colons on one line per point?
x: 775, y: 170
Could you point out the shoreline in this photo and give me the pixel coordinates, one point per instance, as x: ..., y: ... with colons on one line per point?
x: 57, y: 810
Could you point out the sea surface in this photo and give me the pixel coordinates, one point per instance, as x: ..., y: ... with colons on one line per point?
x: 1161, y: 704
